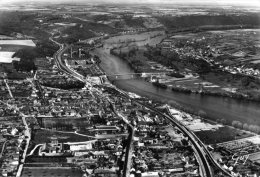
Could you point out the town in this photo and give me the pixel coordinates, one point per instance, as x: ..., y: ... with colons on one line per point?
x: 87, y: 90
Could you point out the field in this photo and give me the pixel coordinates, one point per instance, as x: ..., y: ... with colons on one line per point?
x: 239, y: 46
x: 18, y: 42
x: 5, y: 37
x: 198, y: 125
x: 183, y: 36
x: 255, y: 157
x: 6, y: 57
x: 193, y: 83
x: 51, y: 172
x: 9, y: 47
x: 242, y: 45
x: 43, y: 136
x: 65, y: 124
x: 221, y: 135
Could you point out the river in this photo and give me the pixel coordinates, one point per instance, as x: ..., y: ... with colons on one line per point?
x: 215, y: 107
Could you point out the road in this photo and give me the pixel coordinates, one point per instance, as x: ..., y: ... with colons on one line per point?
x: 205, y: 169
x: 66, y: 69
x: 203, y: 154
x: 41, y: 92
x: 200, y: 148
x: 9, y: 90
x: 3, y: 148
x: 129, y: 147
x: 201, y: 145
x: 27, y: 134
x: 59, y: 63
x: 32, y: 151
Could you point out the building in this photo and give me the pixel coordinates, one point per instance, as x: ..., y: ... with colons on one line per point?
x: 103, y: 130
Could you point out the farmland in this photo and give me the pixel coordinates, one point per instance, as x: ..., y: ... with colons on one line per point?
x: 6, y: 57
x: 42, y: 136
x: 18, y: 42
x: 242, y: 45
x: 64, y: 124
x: 223, y: 134
x: 5, y: 37
x: 9, y: 47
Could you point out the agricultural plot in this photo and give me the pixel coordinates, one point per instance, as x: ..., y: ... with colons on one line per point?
x: 64, y: 124
x: 18, y: 42
x: 5, y: 37
x: 43, y: 136
x: 223, y: 134
x: 241, y: 45
x: 6, y: 57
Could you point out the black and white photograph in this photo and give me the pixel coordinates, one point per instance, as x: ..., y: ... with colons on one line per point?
x: 129, y: 88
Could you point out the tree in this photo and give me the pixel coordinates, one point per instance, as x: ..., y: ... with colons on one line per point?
x: 237, y: 124
x: 24, y: 65
x: 254, y: 128
x: 245, y: 126
x: 223, y: 121
x: 234, y: 123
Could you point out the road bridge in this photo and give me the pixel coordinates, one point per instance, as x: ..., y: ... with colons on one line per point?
x: 133, y: 75
x: 141, y: 74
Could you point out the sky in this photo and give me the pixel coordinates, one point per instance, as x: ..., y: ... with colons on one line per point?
x: 220, y: 2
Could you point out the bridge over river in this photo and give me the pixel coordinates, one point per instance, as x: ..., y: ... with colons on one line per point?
x: 119, y: 76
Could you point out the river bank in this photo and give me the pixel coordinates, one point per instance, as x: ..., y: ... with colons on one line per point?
x: 216, y: 108
x: 202, y: 91
x: 234, y: 95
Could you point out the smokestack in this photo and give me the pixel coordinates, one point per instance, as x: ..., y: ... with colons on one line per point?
x: 79, y: 52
